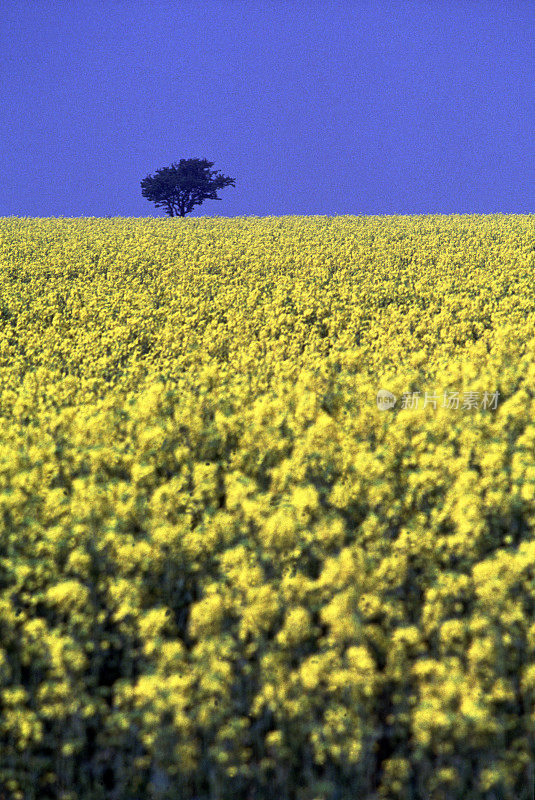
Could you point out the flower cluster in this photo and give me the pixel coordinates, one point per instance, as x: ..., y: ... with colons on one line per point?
x: 224, y: 572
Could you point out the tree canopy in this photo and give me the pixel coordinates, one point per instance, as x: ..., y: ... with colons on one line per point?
x: 182, y: 186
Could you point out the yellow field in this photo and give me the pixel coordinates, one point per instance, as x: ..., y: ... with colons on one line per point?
x: 225, y: 572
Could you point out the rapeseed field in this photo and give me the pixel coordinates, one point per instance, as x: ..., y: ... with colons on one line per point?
x: 267, y: 508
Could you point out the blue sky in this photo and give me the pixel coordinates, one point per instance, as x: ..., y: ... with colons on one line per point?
x: 314, y: 108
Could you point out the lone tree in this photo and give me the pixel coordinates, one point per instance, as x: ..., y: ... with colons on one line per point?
x: 182, y: 186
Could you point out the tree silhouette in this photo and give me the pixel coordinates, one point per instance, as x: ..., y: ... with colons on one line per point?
x: 182, y: 186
